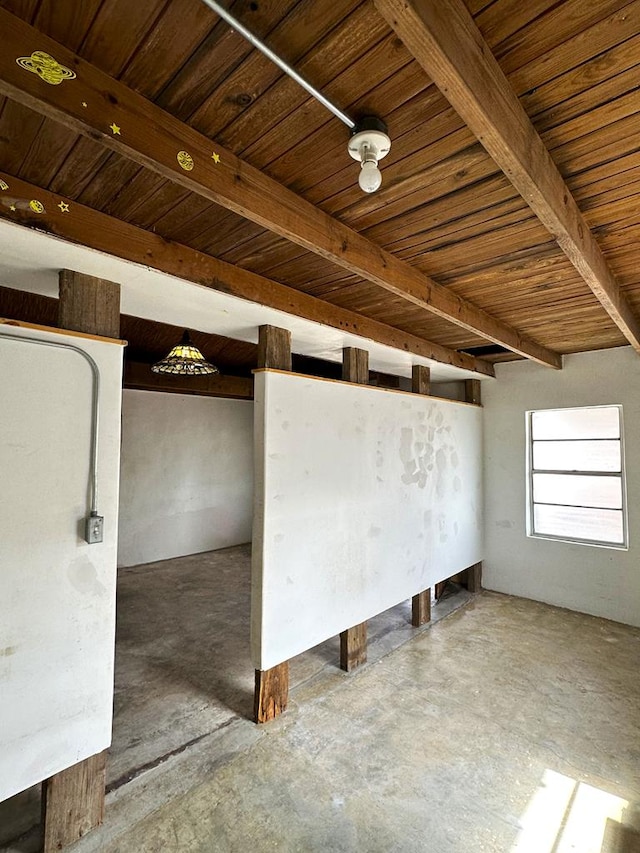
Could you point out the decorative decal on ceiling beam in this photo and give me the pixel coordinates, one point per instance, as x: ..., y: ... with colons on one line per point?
x: 46, y: 67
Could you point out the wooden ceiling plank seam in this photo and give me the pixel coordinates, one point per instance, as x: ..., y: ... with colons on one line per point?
x: 561, y: 23
x: 461, y: 64
x: 567, y: 53
x: 151, y: 138
x: 305, y: 54
x: 92, y: 228
x: 68, y: 22
x: 195, y: 81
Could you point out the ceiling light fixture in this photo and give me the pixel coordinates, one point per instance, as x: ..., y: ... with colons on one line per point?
x: 369, y: 143
x: 185, y: 360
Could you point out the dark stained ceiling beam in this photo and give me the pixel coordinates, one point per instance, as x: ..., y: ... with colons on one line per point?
x: 104, y: 109
x: 81, y: 224
x: 444, y: 39
x: 138, y: 377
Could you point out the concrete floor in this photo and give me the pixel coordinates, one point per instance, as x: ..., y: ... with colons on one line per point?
x: 508, y: 726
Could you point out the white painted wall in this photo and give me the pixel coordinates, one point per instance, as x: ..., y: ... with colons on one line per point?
x: 603, y: 582
x: 364, y: 497
x: 57, y: 594
x: 187, y: 475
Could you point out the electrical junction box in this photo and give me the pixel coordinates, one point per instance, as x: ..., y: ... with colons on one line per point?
x: 94, y: 529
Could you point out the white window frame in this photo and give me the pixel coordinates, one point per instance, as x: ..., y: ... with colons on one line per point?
x: 531, y: 532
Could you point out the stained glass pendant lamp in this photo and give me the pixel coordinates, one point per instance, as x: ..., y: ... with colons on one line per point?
x: 185, y: 360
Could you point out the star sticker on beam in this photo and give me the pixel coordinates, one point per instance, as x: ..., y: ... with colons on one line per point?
x: 115, y: 129
x: 12, y: 208
x: 64, y: 207
x: 215, y: 157
x: 85, y: 104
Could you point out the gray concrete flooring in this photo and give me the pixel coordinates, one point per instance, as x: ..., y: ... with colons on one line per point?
x: 508, y: 726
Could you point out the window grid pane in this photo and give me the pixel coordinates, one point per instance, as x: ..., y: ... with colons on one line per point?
x: 576, y: 475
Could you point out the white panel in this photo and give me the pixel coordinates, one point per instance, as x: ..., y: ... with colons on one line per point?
x: 597, y: 525
x: 577, y: 455
x: 602, y: 422
x: 578, y: 490
x: 58, y: 593
x: 186, y: 475
x: 364, y: 497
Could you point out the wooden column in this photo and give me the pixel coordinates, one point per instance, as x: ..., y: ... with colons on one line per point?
x: 472, y: 577
x: 73, y: 800
x: 421, y: 603
x: 272, y: 685
x: 88, y: 304
x: 353, y: 641
x: 274, y: 348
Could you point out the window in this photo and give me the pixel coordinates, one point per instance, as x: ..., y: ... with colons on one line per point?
x: 576, y: 475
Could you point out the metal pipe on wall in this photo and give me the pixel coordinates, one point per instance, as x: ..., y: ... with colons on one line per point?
x: 95, y: 398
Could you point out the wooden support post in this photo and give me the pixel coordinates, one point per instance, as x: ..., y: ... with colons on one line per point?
x: 88, y: 304
x: 353, y: 641
x: 472, y: 391
x: 420, y: 379
x: 472, y: 577
x: 421, y: 603
x: 272, y: 685
x: 355, y: 365
x: 73, y: 802
x: 274, y: 348
x: 353, y: 647
x: 421, y: 608
x: 271, y: 692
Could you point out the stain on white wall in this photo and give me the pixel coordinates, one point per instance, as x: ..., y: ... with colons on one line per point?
x: 590, y: 579
x: 364, y: 497
x: 57, y: 593
x: 187, y: 475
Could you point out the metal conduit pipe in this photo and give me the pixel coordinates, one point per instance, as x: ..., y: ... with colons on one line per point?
x: 262, y: 47
x: 95, y: 397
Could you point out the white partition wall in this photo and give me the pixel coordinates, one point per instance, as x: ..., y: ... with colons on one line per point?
x: 57, y: 593
x: 363, y: 498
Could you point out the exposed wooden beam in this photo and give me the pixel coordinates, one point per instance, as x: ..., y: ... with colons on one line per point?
x: 443, y: 37
x: 104, y: 109
x: 104, y: 233
x: 138, y: 376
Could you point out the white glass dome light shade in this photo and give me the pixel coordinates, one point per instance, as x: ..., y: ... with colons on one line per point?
x: 370, y: 177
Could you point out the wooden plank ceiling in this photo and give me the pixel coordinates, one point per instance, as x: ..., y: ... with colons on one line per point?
x: 444, y: 207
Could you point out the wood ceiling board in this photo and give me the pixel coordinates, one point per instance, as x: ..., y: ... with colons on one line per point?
x: 558, y: 26
x: 319, y: 38
x: 50, y: 148
x: 116, y: 32
x: 78, y: 170
x: 270, y: 302
x: 19, y: 127
x: 218, y: 55
x: 475, y: 84
x: 64, y: 21
x: 152, y: 143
